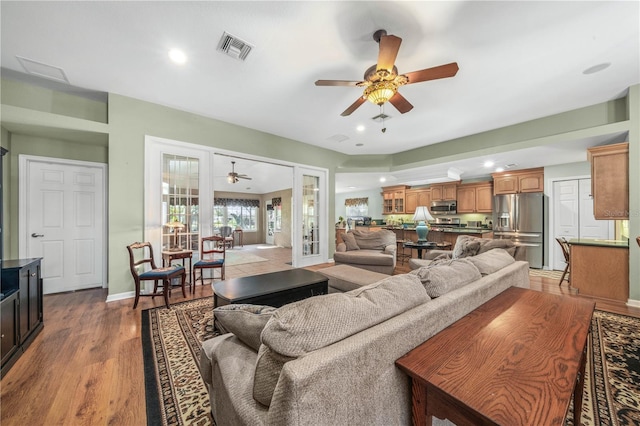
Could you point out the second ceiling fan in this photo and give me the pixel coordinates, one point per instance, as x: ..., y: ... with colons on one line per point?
x: 381, y: 81
x: 234, y: 177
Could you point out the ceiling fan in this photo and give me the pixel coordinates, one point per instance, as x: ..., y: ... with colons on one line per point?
x: 234, y: 177
x: 381, y: 81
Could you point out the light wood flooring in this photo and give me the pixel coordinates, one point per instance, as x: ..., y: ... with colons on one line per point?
x: 86, y: 368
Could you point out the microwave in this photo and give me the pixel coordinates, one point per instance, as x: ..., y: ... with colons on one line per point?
x: 443, y: 207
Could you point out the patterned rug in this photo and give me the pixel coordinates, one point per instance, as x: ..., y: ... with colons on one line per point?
x: 177, y: 395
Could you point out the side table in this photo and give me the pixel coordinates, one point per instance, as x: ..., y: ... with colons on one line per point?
x: 240, y: 234
x: 419, y: 246
x: 170, y: 256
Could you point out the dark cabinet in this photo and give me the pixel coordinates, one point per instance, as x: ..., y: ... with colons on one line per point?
x: 9, y: 326
x: 21, y: 279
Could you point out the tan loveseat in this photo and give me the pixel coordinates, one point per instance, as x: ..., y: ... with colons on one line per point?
x: 330, y: 360
x: 371, y: 250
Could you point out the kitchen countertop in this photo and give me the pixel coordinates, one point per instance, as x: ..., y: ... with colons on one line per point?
x: 599, y: 242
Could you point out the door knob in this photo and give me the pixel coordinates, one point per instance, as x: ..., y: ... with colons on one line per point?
x: 34, y: 235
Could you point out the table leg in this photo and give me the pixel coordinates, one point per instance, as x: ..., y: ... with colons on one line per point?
x: 419, y: 253
x: 419, y: 404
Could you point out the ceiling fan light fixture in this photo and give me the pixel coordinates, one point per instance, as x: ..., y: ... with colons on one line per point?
x: 380, y: 92
x: 231, y: 179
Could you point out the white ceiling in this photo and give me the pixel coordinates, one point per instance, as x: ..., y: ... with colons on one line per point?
x: 518, y: 61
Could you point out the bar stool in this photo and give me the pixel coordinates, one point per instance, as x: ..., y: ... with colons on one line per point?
x: 566, y: 253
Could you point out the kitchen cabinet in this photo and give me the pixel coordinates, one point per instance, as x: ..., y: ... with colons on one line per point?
x: 23, y: 278
x: 444, y: 192
x: 518, y: 181
x: 416, y: 197
x: 610, y: 181
x: 598, y: 268
x: 393, y: 199
x: 475, y: 198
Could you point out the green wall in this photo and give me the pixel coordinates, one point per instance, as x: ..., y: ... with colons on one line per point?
x: 40, y: 122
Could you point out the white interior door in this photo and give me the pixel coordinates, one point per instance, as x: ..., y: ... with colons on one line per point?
x: 573, y: 216
x: 566, y: 205
x: 62, y: 212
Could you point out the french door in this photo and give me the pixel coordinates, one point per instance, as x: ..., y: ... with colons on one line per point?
x: 310, y: 213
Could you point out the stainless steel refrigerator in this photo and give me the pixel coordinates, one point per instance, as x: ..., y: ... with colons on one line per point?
x: 520, y: 218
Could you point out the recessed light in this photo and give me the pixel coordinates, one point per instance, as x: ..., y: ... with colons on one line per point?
x: 177, y: 56
x: 488, y: 163
x: 359, y: 144
x: 360, y: 128
x: 499, y: 169
x: 352, y: 187
x: 597, y: 68
x: 383, y: 179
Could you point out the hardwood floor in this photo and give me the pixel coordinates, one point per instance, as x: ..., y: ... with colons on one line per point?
x: 86, y: 368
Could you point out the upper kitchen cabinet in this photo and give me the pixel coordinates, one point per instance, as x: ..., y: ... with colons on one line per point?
x: 475, y: 198
x: 393, y: 199
x: 610, y: 181
x: 444, y: 192
x: 416, y: 197
x: 518, y: 181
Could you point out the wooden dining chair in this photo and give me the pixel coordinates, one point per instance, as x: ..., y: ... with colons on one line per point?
x: 564, y: 245
x: 143, y: 268
x: 212, y: 256
x: 227, y: 233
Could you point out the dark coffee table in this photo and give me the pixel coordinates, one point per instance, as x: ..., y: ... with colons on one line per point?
x: 420, y: 245
x: 272, y: 289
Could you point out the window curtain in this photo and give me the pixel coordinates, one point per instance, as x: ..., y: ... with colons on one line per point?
x: 355, y: 202
x: 276, y: 201
x: 235, y: 202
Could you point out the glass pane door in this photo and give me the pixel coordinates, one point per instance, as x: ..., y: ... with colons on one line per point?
x: 311, y: 212
x: 180, y: 202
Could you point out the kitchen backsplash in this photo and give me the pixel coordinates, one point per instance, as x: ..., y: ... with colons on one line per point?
x: 396, y: 219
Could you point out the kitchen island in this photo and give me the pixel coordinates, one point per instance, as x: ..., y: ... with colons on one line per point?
x: 600, y: 268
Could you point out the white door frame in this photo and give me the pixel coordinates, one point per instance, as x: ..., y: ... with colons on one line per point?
x: 23, y: 195
x: 296, y: 244
x: 298, y: 258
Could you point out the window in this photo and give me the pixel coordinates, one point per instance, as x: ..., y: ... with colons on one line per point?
x: 357, y: 207
x: 236, y: 213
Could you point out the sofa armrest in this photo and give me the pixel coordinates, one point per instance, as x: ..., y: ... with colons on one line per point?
x: 341, y: 247
x: 432, y: 254
x: 391, y: 249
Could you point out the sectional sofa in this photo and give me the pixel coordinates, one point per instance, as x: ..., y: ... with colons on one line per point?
x: 330, y: 360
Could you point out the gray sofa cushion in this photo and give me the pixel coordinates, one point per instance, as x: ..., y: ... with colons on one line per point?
x: 364, y: 257
x: 374, y: 240
x: 350, y: 241
x: 302, y: 327
x: 465, y: 246
x: 445, y: 276
x: 491, y: 261
x: 245, y: 321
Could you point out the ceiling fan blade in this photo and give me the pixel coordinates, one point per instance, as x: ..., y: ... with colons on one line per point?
x: 354, y: 106
x: 401, y: 103
x: 337, y: 83
x: 389, y: 46
x: 244, y: 177
x: 442, y: 71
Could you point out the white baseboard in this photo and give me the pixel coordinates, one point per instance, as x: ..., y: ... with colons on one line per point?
x: 121, y: 296
x: 634, y: 303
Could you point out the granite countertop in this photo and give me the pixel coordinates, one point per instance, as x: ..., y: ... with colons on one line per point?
x: 599, y: 242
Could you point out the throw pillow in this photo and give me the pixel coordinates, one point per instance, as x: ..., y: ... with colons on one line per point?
x: 491, y: 261
x: 350, y: 241
x: 487, y: 245
x: 446, y: 276
x: 466, y: 246
x: 245, y: 321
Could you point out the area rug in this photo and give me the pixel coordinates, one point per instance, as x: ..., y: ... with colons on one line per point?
x: 177, y: 395
x: 237, y: 257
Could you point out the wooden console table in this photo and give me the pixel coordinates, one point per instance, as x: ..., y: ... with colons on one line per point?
x: 516, y: 360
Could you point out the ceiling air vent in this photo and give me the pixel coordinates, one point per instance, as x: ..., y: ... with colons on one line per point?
x: 338, y: 138
x: 234, y: 47
x: 43, y: 70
